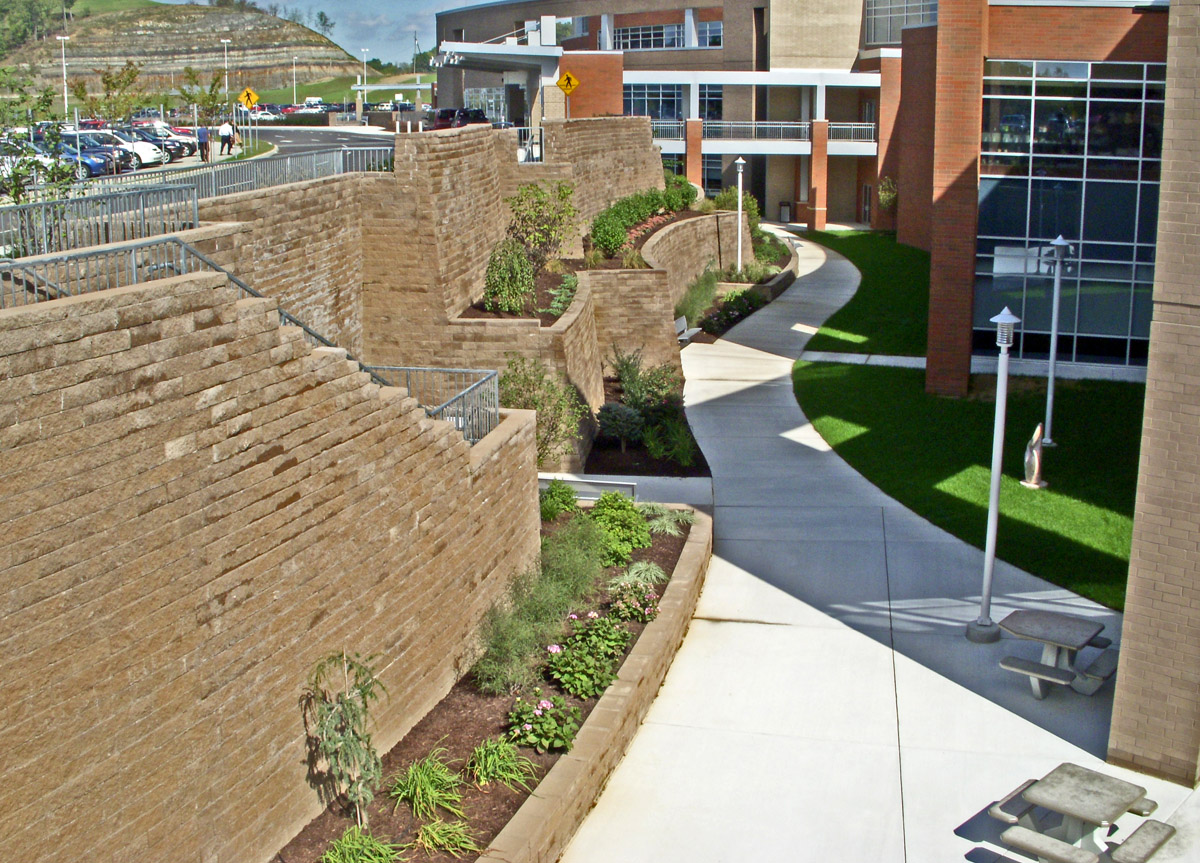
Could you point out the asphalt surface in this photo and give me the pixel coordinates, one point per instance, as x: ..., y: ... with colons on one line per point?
x: 300, y: 139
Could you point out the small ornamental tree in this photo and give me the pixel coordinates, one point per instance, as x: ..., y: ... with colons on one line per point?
x: 508, y: 283
x: 336, y: 705
x: 118, y: 94
x: 543, y: 220
x: 887, y: 193
x: 620, y: 421
x: 528, y: 385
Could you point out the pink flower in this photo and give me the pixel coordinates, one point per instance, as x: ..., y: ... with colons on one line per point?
x: 593, y: 615
x: 554, y: 648
x: 537, y: 712
x: 572, y: 616
x: 527, y: 727
x: 544, y: 704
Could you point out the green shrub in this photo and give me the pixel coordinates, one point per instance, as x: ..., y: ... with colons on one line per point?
x: 356, y: 846
x: 699, y: 295
x: 643, y: 572
x: 543, y: 723
x: 767, y: 247
x: 624, y: 527
x: 631, y: 259
x: 726, y: 199
x: 453, y: 837
x: 735, y: 306
x: 586, y: 662
x: 428, y: 785
x: 888, y: 192
x: 608, y: 232
x: 563, y: 295
x: 556, y: 498
x: 661, y: 519
x: 543, y: 220
x: 528, y: 385
x: 650, y: 391
x: 753, y: 271
x: 620, y: 421
x: 671, y: 438
x: 677, y: 184
x: 634, y: 602
x: 497, y: 760
x: 610, y: 228
x: 508, y: 282
x: 336, y: 705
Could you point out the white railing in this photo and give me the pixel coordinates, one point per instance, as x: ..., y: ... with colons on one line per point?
x: 667, y: 130
x: 860, y: 132
x: 762, y: 131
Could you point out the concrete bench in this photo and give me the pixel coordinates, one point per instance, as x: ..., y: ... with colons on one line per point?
x: 1015, y: 809
x: 1038, y: 672
x: 1100, y: 669
x: 1101, y: 642
x: 684, y: 333
x: 1144, y: 807
x: 1046, y: 847
x: 1143, y: 843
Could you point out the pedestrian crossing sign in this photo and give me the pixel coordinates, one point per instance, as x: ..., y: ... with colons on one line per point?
x: 248, y: 98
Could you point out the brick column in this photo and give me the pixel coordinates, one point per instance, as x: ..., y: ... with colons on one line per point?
x: 818, y: 176
x: 1156, y: 710
x: 887, y: 162
x: 693, y: 141
x: 958, y: 115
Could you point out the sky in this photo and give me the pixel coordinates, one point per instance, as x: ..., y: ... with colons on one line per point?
x: 385, y: 27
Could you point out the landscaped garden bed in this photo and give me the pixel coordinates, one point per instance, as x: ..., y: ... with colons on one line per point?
x: 558, y: 680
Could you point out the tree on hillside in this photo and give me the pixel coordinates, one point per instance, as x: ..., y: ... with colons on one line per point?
x: 22, y: 20
x: 209, y: 98
x: 118, y: 95
x: 324, y: 24
x: 19, y: 106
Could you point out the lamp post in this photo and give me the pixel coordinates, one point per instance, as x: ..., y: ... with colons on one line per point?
x: 293, y: 80
x: 982, y: 630
x: 225, y: 45
x: 741, y: 164
x: 1061, y: 247
x: 62, y: 40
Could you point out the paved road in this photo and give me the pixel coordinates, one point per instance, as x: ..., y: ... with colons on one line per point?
x: 299, y: 139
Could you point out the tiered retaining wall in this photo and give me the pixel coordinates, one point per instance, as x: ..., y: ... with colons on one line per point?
x: 198, y: 507
x: 686, y: 249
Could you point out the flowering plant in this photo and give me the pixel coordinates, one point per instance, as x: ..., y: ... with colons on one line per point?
x: 636, y: 602
x: 585, y: 664
x: 543, y: 723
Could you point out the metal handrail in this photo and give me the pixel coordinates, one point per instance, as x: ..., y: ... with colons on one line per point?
x: 227, y: 178
x: 468, y: 398
x: 862, y: 132
x: 530, y: 144
x: 61, y: 225
x: 758, y: 131
x: 667, y: 130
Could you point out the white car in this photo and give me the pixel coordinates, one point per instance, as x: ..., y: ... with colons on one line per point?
x: 144, y: 153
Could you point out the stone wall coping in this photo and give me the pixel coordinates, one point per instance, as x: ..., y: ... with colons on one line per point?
x: 545, y: 823
x: 493, y: 443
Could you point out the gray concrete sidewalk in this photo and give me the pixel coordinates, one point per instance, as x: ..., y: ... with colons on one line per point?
x: 825, y: 705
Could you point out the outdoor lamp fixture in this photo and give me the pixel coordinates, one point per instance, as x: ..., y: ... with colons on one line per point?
x: 293, y: 80
x: 983, y: 630
x: 364, y: 53
x: 225, y: 44
x: 62, y: 40
x: 1061, y: 247
x: 741, y: 164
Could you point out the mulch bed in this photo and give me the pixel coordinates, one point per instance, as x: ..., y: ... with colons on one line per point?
x: 607, y: 459
x: 459, y: 722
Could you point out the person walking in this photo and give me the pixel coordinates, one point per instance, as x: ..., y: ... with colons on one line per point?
x: 202, y: 140
x: 226, y: 133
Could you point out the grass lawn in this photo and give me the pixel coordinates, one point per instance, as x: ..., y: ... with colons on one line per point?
x: 934, y: 455
x: 890, y: 311
x: 99, y: 7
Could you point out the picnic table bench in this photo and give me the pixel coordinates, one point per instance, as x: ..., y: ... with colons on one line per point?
x: 1062, y: 637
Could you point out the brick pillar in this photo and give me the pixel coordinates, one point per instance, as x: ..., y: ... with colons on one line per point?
x: 958, y: 116
x: 693, y: 140
x: 1156, y: 709
x: 799, y: 206
x: 818, y: 176
x: 887, y: 162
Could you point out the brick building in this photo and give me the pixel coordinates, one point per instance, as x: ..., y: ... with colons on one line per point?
x: 1003, y: 124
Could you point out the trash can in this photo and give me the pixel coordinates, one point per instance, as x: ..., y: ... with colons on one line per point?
x: 785, y: 211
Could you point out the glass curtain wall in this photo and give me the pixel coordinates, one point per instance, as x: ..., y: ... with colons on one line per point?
x: 1070, y: 148
x: 656, y: 101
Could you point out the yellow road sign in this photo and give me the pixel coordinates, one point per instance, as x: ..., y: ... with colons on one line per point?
x: 248, y: 98
x: 567, y: 83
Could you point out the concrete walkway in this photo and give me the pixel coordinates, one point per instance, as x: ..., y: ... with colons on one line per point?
x: 825, y: 705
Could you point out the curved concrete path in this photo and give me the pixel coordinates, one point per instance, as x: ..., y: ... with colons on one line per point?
x: 825, y: 705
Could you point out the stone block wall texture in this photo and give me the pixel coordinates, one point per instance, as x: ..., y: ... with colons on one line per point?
x: 686, y: 249
x: 198, y: 507
x: 634, y: 311
x: 1156, y: 711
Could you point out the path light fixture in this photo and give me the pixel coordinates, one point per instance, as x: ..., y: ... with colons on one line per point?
x: 225, y: 45
x: 62, y: 40
x: 1061, y: 247
x: 293, y: 80
x: 741, y: 164
x: 983, y: 630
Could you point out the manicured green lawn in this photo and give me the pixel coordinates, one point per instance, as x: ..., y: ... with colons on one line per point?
x: 934, y: 455
x: 889, y: 313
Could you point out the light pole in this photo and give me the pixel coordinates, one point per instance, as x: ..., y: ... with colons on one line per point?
x: 62, y: 40
x: 741, y: 164
x: 225, y: 44
x: 1061, y: 248
x: 982, y: 630
x: 364, y: 53
x: 293, y: 80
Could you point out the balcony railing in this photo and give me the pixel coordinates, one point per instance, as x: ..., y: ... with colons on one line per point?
x: 667, y: 130
x: 857, y: 132
x: 764, y: 131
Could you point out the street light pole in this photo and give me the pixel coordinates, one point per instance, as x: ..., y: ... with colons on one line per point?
x: 982, y: 630
x: 1061, y: 247
x: 293, y: 80
x: 225, y: 44
x: 62, y: 40
x: 741, y: 163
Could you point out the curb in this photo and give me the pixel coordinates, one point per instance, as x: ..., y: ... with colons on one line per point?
x: 546, y: 822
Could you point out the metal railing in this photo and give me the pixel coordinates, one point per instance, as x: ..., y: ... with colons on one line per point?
x: 862, y: 132
x: 667, y: 130
x: 751, y: 131
x: 111, y: 217
x: 468, y: 398
x: 529, y: 144
x: 227, y: 178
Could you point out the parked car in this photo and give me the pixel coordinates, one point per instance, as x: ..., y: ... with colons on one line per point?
x: 13, y: 152
x: 174, y: 149
x: 119, y: 158
x: 85, y: 164
x: 163, y: 131
x: 143, y: 152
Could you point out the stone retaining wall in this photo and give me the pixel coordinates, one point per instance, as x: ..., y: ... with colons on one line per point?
x: 634, y: 310
x: 686, y: 249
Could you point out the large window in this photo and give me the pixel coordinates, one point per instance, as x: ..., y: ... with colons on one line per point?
x: 656, y: 101
x: 649, y: 37
x: 712, y: 101
x: 710, y: 34
x: 1071, y: 149
x: 886, y: 18
x: 713, y: 181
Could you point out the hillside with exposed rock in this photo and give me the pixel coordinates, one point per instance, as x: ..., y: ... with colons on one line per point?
x: 166, y: 39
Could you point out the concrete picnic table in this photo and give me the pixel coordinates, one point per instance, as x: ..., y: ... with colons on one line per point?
x: 1062, y: 637
x: 1087, y: 800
